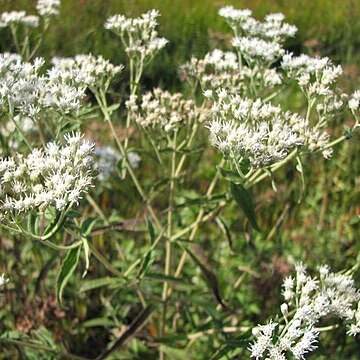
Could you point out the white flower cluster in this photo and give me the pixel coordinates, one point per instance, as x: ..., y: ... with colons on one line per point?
x: 317, y: 78
x: 84, y: 70
x: 163, y: 110
x: 255, y: 50
x: 309, y: 300
x: 298, y: 65
x: 259, y: 43
x: 139, y: 37
x: 3, y: 280
x: 45, y: 8
x: 15, y: 18
x: 220, y: 69
x: 245, y: 129
x: 48, y: 8
x: 354, y: 101
x: 55, y: 176
x: 273, y: 28
x: 23, y: 89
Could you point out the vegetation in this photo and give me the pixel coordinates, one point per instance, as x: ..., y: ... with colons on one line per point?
x: 170, y: 247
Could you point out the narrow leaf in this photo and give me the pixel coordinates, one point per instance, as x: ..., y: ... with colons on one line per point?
x: 96, y: 283
x: 200, y: 260
x: 244, y: 200
x: 87, y: 255
x: 225, y: 229
x: 67, y: 268
x: 138, y: 323
x: 103, y: 322
x: 151, y: 230
x: 229, y: 175
x: 87, y: 225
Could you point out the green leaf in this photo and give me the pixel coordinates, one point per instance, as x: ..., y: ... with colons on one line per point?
x: 104, y: 322
x: 67, y: 268
x: 229, y: 175
x: 167, y: 278
x: 225, y: 229
x: 203, y: 200
x: 151, y: 230
x: 33, y: 222
x: 197, y: 255
x: 105, y: 281
x: 173, y: 353
x: 244, y: 200
x: 45, y: 337
x: 113, y: 108
x: 87, y: 225
x: 226, y: 352
x: 149, y: 257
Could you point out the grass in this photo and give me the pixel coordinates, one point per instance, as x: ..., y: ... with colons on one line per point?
x: 193, y: 27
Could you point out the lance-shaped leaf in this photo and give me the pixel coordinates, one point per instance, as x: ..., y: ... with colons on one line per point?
x: 67, y: 268
x: 197, y: 255
x: 244, y: 200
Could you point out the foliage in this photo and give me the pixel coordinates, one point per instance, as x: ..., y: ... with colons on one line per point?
x: 126, y: 233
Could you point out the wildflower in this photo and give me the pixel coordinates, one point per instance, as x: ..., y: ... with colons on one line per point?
x: 168, y: 112
x: 139, y: 37
x: 55, y: 176
x: 48, y: 8
x: 311, y: 300
x: 354, y: 101
x: 84, y: 70
x: 254, y: 49
x: 30, y: 93
x: 219, y: 69
x: 260, y: 132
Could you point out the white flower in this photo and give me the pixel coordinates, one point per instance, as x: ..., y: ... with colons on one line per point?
x: 254, y: 49
x: 354, y: 101
x: 48, y: 8
x: 55, y: 176
x: 84, y: 70
x: 244, y: 129
x: 138, y: 35
x: 163, y: 110
x: 3, y: 280
x: 332, y: 294
x: 230, y: 13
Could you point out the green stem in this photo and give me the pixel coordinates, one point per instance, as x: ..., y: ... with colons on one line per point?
x: 168, y: 253
x: 101, y: 99
x: 197, y: 222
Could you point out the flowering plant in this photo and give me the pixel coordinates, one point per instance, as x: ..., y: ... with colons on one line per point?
x: 233, y: 128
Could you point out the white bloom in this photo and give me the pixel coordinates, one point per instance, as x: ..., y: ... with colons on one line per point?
x: 138, y: 35
x: 3, y: 280
x: 163, y: 110
x: 84, y: 70
x: 48, y: 7
x: 230, y: 13
x: 253, y: 130
x: 55, y: 176
x: 354, y: 101
x: 254, y: 49
x: 332, y: 294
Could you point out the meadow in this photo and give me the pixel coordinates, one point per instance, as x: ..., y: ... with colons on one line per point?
x: 172, y: 195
